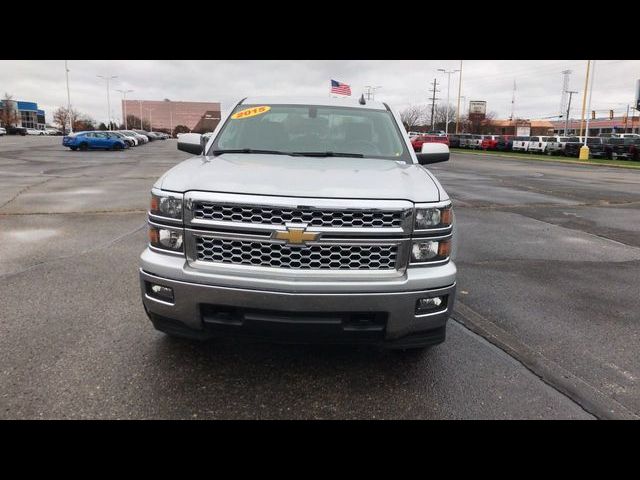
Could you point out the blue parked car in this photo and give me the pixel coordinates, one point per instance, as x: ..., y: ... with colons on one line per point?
x: 93, y: 140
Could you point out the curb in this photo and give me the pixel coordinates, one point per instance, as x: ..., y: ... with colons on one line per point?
x: 589, y: 398
x: 541, y: 159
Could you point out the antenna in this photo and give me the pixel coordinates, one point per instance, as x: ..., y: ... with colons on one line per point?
x: 565, y: 89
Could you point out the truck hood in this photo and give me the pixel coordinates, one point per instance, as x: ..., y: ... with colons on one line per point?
x: 326, y: 177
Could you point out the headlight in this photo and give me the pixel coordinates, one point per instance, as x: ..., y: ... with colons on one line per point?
x: 430, y: 250
x: 166, y: 205
x: 166, y: 238
x: 427, y: 218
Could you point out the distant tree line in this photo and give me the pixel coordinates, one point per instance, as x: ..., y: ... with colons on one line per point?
x: 417, y: 118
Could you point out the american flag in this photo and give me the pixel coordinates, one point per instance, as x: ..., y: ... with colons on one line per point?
x: 340, y: 88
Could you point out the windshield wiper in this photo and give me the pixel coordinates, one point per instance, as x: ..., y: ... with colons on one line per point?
x: 248, y: 150
x: 326, y: 154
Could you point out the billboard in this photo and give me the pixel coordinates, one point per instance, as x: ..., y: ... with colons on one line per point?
x: 477, y: 107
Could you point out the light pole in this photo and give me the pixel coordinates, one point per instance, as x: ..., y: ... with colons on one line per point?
x: 150, y: 123
x: 108, y: 78
x: 459, y: 92
x: 140, y: 105
x: 66, y: 69
x: 448, y: 72
x: 584, y: 151
x: 584, y: 96
x: 124, y: 106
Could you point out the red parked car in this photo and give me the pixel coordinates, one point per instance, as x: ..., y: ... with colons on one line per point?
x: 419, y: 140
x: 490, y: 142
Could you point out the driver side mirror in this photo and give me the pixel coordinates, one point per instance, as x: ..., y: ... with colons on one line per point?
x: 433, y: 153
x: 192, y: 143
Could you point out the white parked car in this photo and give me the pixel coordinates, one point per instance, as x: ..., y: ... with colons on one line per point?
x: 3, y: 131
x: 35, y: 131
x: 128, y: 136
x: 626, y: 135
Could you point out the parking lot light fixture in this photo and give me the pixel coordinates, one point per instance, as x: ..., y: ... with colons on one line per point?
x: 108, y: 79
x: 448, y: 72
x: 66, y: 69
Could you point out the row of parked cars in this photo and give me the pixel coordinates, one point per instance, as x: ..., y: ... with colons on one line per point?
x: 28, y: 131
x: 623, y: 145
x: 110, y: 139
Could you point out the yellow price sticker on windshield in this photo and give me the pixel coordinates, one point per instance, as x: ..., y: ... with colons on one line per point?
x: 250, y: 112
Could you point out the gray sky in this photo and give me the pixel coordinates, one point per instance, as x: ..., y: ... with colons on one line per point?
x: 404, y: 82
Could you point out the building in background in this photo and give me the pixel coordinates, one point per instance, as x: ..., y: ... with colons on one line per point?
x: 165, y: 114
x: 28, y: 114
x: 623, y: 124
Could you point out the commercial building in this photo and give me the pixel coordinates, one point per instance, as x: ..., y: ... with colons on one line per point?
x: 28, y: 114
x: 622, y: 124
x: 166, y: 114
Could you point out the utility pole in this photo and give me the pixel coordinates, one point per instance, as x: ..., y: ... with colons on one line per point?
x: 124, y: 106
x: 140, y: 105
x: 584, y: 97
x: 565, y: 89
x: 566, y: 123
x: 513, y: 100
x: 150, y: 123
x: 371, y: 91
x: 459, y: 93
x: 68, y: 99
x: 448, y: 72
x: 433, y: 102
x: 108, y: 78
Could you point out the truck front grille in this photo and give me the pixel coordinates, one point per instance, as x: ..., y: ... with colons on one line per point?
x: 307, y: 257
x: 313, y: 217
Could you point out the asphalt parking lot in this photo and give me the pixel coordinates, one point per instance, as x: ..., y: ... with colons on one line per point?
x: 547, y: 323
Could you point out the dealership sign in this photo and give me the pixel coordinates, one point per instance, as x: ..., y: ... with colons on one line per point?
x: 477, y: 107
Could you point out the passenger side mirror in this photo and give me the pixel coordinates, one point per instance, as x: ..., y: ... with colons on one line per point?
x: 433, y: 153
x: 191, y: 143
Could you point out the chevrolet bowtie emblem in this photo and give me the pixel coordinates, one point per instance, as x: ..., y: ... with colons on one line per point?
x: 296, y: 235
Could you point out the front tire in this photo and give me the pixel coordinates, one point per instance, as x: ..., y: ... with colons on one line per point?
x: 117, y: 146
x: 74, y: 148
x: 84, y: 147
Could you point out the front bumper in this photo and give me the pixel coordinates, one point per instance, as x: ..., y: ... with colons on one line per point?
x: 385, y: 312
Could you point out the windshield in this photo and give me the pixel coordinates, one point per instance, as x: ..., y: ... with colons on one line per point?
x: 309, y: 129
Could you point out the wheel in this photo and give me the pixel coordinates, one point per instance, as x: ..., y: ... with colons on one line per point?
x: 74, y: 148
x: 117, y: 146
x: 84, y: 147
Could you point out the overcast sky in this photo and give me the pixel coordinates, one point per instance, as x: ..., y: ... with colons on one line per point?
x: 403, y: 82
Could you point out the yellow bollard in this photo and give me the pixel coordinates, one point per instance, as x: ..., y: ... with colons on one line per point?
x: 584, y: 153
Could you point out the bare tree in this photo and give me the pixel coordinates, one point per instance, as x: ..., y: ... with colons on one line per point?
x: 62, y: 116
x: 413, y: 116
x: 440, y: 116
x: 8, y: 114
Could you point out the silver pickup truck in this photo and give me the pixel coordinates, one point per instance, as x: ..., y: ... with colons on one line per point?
x: 302, y: 220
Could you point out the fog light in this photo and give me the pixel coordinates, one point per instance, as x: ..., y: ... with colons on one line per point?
x: 160, y: 292
x: 431, y: 304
